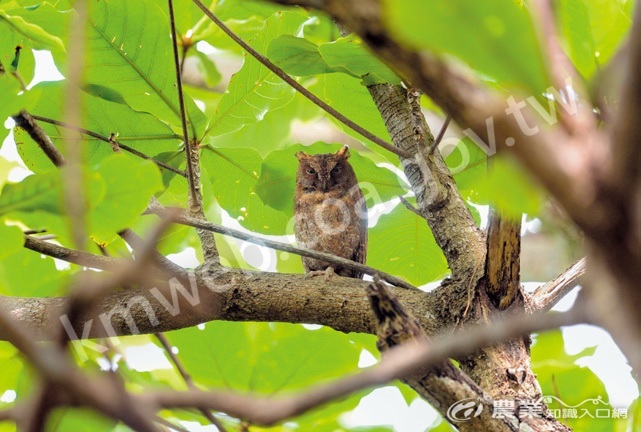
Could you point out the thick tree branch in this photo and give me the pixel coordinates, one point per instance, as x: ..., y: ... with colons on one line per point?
x: 625, y: 172
x: 230, y: 295
x: 438, y: 199
x: 503, y: 263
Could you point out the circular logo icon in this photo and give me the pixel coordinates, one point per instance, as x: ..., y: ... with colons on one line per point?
x: 464, y: 410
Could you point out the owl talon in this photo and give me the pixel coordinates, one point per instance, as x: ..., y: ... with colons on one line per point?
x: 327, y: 274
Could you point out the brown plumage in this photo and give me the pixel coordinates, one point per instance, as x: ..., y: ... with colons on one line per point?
x: 330, y: 214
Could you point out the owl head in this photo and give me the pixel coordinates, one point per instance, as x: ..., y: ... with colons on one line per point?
x: 325, y: 172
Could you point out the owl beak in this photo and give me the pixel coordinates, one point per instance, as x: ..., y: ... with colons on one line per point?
x: 324, y: 182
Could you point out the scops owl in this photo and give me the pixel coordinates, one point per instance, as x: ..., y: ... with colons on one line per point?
x: 330, y: 214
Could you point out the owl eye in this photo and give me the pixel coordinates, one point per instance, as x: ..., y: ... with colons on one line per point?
x: 336, y: 170
x: 311, y: 171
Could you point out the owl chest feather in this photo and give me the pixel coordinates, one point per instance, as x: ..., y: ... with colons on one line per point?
x: 328, y: 224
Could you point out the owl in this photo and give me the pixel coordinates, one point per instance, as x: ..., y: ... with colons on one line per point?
x: 330, y: 214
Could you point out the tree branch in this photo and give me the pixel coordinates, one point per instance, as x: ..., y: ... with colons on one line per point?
x: 84, y: 259
x: 547, y: 295
x: 343, y: 262
x: 109, y: 141
x: 25, y: 121
x: 503, y: 263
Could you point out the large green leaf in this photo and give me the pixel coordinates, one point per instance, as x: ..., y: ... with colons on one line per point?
x: 511, y: 189
x: 593, y: 30
x: 402, y: 244
x: 130, y: 183
x: 300, y: 57
x: 35, y: 34
x: 495, y: 37
x: 139, y: 130
x: 264, y: 357
x: 346, y: 94
x: 129, y: 50
x: 35, y: 192
x: 234, y: 174
x: 42, y: 279
x: 254, y: 90
x: 12, y: 239
x: 571, y: 385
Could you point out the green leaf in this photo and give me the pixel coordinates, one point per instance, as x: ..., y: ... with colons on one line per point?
x: 402, y: 244
x: 79, y: 420
x: 264, y: 357
x: 512, y: 190
x: 468, y: 164
x: 207, y: 68
x: 35, y: 192
x: 300, y: 57
x: 234, y: 174
x: 130, y: 183
x: 575, y: 27
x: 138, y: 130
x: 38, y: 37
x: 15, y: 281
x: 560, y: 376
x: 132, y: 38
x: 255, y: 90
x: 350, y: 98
x: 495, y: 37
x: 11, y: 103
x: 350, y: 54
x: 297, y: 56
x: 12, y: 239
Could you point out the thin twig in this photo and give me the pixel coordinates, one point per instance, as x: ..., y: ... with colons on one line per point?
x: 440, y: 135
x: 302, y: 90
x: 193, y: 190
x: 121, y: 145
x: 28, y: 123
x: 409, y: 206
x: 138, y: 244
x: 187, y: 378
x: 157, y: 209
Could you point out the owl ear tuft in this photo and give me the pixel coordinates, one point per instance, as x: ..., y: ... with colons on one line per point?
x: 301, y: 155
x: 343, y: 152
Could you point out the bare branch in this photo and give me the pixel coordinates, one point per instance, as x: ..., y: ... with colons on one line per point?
x: 352, y: 265
x: 84, y: 259
x: 27, y: 122
x: 120, y: 145
x: 547, y: 295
